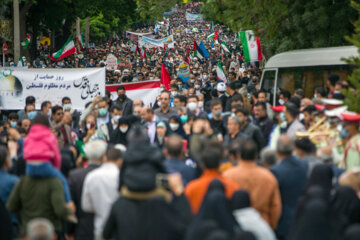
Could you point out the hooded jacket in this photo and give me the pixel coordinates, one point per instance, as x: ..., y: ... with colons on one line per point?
x: 41, y: 145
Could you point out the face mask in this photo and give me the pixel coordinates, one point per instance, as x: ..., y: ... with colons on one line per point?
x: 191, y: 106
x: 102, y: 112
x: 116, y: 118
x: 67, y: 106
x: 205, y: 77
x: 192, y: 80
x: 137, y: 71
x: 174, y: 126
x: 174, y: 93
x: 197, y: 86
x: 218, y: 112
x: 162, y: 89
x: 344, y: 133
x: 314, y: 95
x: 180, y: 87
x: 184, y: 118
x: 122, y: 96
x: 281, y: 102
x: 13, y: 124
x: 201, y: 104
x: 151, y: 78
x: 32, y: 115
x: 88, y: 126
x: 49, y: 112
x: 123, y: 129
x: 282, y: 117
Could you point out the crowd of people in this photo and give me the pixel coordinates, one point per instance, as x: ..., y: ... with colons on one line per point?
x: 208, y: 160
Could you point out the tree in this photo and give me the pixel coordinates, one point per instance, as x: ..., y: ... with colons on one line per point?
x: 288, y: 24
x: 352, y: 99
x: 151, y: 11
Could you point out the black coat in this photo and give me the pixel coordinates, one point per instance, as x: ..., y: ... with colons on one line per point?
x: 152, y: 219
x: 85, y: 228
x: 127, y: 106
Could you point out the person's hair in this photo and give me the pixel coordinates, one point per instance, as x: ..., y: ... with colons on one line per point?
x: 232, y: 73
x: 3, y: 155
x: 268, y: 156
x: 242, y: 110
x: 305, y: 145
x: 107, y: 93
x: 94, y: 150
x: 193, y: 96
x: 41, y: 119
x: 54, y: 109
x: 292, y: 109
x: 174, y: 146
x: 120, y: 88
x: 262, y: 104
x: 28, y: 104
x: 333, y: 78
x: 285, y: 147
x: 13, y: 116
x: 211, y: 157
x: 215, y: 102
x: 300, y: 92
x: 321, y: 91
x: 236, y: 98
x: 113, y: 154
x: 44, y: 104
x: 248, y: 151
x: 237, y: 119
x: 310, y: 109
x: 181, y: 98
x: 262, y: 91
x: 65, y: 99
x: 29, y: 100
x: 40, y: 229
x: 295, y: 100
x: 115, y: 106
x: 167, y: 92
x: 286, y: 94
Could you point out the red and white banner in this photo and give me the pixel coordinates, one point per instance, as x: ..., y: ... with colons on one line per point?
x: 147, y: 91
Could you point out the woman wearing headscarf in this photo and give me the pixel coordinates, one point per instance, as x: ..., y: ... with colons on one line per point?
x: 176, y: 126
x: 346, y: 203
x: 248, y: 218
x: 118, y: 136
x: 214, y: 207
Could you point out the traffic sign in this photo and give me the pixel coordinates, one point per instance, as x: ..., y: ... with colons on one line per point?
x: 5, y: 48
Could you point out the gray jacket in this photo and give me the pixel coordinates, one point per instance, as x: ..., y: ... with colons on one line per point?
x: 295, y: 126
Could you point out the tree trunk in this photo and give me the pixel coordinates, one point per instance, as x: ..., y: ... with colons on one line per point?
x: 23, y: 32
x: 87, y: 31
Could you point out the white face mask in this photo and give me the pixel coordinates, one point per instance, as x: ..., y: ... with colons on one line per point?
x: 281, y: 102
x: 174, y: 93
x: 197, y: 86
x: 67, y: 106
x: 116, y: 118
x: 174, y: 126
x: 205, y: 77
x: 123, y: 129
x: 192, y: 106
x: 49, y: 112
x: 88, y: 126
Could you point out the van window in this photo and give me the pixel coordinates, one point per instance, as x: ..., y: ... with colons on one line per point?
x: 268, y: 83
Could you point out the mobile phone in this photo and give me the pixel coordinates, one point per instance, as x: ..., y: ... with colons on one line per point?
x: 162, y: 180
x: 92, y: 125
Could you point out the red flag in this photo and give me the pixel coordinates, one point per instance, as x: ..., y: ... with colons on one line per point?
x: 165, y: 77
x: 194, y: 48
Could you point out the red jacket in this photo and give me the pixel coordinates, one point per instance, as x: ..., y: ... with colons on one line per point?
x: 41, y: 145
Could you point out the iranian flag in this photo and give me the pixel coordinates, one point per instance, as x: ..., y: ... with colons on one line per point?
x: 220, y: 73
x: 214, y: 35
x: 166, y: 21
x: 147, y: 91
x: 80, y: 41
x: 225, y: 47
x: 66, y: 50
x: 25, y: 44
x: 251, y: 46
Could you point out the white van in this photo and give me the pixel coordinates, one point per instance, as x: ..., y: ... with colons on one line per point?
x: 306, y: 69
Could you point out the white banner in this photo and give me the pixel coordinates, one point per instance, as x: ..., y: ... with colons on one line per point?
x: 147, y: 91
x: 149, y: 42
x: 80, y: 85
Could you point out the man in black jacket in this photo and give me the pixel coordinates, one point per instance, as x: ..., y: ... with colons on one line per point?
x: 262, y: 120
x: 125, y: 103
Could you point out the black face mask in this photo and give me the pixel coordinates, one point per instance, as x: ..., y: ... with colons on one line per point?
x: 122, y: 96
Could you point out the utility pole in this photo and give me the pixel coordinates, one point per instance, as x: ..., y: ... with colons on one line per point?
x: 78, y: 31
x: 16, y: 31
x: 87, y: 32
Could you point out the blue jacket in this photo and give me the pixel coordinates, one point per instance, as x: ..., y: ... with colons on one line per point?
x: 187, y: 173
x: 291, y: 174
x: 7, y: 183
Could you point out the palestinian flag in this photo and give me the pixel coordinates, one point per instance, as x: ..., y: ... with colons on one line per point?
x: 198, y: 52
x: 25, y: 44
x: 21, y: 62
x: 80, y: 41
x: 225, y: 47
x: 220, y: 73
x: 214, y: 35
x: 66, y: 50
x: 251, y: 46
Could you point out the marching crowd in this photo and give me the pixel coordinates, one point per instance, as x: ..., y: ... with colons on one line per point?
x: 207, y: 160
